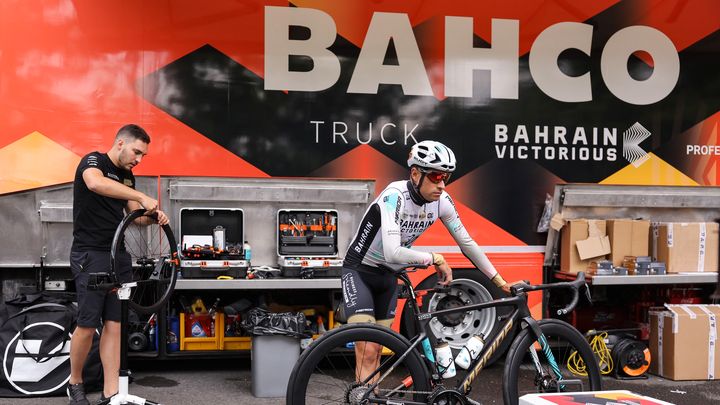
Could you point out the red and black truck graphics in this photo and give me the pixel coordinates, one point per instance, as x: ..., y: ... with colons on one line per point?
x: 527, y: 93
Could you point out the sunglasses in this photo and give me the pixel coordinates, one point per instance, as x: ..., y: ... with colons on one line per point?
x: 437, y: 177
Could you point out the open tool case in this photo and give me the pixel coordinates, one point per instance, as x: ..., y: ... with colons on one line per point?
x: 211, y: 243
x: 307, y: 243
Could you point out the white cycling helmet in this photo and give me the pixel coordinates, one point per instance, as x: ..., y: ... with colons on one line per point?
x: 432, y: 155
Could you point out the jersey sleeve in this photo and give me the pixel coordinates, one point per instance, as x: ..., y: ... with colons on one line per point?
x: 451, y: 219
x: 391, y: 206
x: 89, y: 161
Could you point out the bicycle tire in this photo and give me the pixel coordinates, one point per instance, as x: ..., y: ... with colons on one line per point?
x: 516, y: 373
x: 331, y: 351
x: 154, y: 261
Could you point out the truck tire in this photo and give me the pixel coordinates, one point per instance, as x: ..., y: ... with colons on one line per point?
x: 468, y: 286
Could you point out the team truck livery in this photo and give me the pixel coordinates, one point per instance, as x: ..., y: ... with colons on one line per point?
x: 528, y: 94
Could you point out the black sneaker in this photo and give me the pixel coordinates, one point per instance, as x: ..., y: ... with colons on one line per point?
x: 76, y: 394
x: 104, y: 400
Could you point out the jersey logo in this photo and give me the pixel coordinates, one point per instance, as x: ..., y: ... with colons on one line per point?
x: 128, y: 182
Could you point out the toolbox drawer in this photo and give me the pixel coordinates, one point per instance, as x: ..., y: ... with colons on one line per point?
x: 212, y: 242
x: 307, y: 233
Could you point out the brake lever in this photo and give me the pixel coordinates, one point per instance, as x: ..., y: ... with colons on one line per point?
x: 519, y: 287
x: 443, y: 289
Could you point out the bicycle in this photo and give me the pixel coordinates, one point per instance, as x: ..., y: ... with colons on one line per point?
x: 408, y: 374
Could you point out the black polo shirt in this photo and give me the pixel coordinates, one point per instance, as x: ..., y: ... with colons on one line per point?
x: 96, y: 217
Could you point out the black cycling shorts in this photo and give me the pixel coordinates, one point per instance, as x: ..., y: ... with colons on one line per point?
x: 96, y: 306
x: 370, y: 291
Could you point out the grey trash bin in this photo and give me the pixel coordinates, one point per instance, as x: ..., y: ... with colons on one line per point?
x: 272, y: 361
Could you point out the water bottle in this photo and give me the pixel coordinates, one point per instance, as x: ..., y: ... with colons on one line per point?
x: 248, y: 251
x: 444, y: 359
x: 470, y: 351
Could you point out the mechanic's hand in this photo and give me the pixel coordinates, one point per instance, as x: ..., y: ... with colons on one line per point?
x: 506, y: 286
x: 150, y: 204
x: 162, y: 219
x: 444, y: 273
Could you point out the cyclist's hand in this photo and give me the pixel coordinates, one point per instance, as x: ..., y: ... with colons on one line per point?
x: 162, y: 219
x: 444, y: 273
x: 506, y: 287
x: 150, y: 204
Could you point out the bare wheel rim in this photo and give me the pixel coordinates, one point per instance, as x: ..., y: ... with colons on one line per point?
x: 153, y: 257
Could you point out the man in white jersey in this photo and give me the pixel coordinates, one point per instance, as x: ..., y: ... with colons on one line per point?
x: 394, y: 220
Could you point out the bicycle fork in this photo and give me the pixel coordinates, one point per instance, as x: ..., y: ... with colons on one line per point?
x: 543, y: 380
x: 545, y: 347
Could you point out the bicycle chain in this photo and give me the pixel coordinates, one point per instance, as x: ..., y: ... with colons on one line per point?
x: 407, y: 391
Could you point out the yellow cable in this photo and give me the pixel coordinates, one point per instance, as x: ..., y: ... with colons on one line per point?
x: 576, y: 365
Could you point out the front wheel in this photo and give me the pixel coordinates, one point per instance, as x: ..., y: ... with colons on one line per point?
x: 553, y: 372
x: 325, y: 372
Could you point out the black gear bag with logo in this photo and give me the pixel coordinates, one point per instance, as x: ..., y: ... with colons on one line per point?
x: 35, y: 332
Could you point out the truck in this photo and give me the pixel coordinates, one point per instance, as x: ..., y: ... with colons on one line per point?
x: 529, y: 95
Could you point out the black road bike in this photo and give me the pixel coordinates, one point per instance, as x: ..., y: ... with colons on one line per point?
x: 537, y: 361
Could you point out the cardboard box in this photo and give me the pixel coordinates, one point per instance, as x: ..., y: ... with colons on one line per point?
x: 581, y: 241
x: 589, y: 397
x: 628, y: 237
x: 683, y: 342
x: 688, y: 247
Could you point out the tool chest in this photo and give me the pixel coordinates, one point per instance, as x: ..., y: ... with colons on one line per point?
x: 307, y: 243
x: 211, y: 242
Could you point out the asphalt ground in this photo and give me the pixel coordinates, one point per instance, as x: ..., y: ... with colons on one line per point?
x: 228, y: 381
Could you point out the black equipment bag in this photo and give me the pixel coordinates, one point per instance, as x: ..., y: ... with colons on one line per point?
x: 260, y: 322
x: 35, y: 332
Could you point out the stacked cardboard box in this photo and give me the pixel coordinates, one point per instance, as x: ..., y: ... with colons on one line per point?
x: 628, y: 237
x: 683, y: 342
x: 583, y: 240
x: 687, y: 247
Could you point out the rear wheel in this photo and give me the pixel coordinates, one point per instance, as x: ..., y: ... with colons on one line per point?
x: 521, y: 375
x: 154, y: 261
x: 325, y: 373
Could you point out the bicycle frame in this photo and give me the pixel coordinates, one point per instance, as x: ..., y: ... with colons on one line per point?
x: 520, y: 312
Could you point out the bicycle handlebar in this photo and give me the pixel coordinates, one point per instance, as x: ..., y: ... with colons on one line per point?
x: 573, y: 285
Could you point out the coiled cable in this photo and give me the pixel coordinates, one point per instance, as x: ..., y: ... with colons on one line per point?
x: 576, y: 365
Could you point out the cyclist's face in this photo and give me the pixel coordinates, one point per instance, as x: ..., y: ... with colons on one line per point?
x: 131, y: 153
x: 429, y: 190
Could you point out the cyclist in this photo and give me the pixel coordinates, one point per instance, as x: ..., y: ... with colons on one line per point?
x: 394, y: 220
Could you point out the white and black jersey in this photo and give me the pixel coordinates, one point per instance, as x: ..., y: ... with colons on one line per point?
x: 394, y: 221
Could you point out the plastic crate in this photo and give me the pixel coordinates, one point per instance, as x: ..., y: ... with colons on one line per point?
x: 236, y: 343
x: 188, y: 343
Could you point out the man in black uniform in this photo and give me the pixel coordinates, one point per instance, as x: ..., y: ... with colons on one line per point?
x: 104, y: 187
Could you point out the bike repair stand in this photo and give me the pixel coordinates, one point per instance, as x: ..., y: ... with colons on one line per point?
x: 123, y: 397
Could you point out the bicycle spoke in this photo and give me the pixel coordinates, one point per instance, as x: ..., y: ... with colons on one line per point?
x: 151, y: 249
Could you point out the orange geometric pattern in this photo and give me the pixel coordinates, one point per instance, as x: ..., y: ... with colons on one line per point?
x: 35, y: 161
